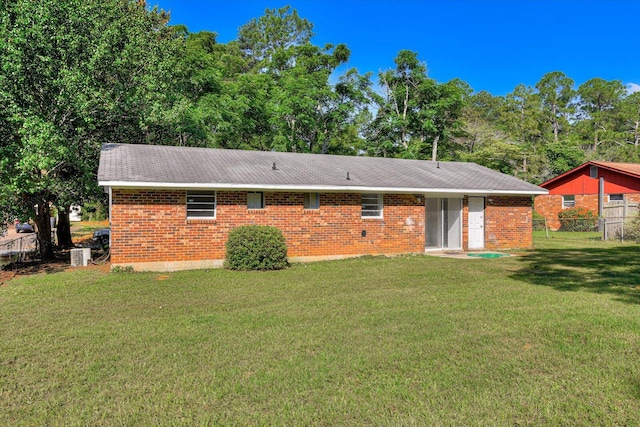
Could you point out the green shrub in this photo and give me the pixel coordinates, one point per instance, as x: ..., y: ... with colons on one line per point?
x: 256, y: 247
x: 632, y: 228
x: 577, y: 219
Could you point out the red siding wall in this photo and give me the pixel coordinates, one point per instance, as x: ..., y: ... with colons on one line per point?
x: 585, y: 189
x: 151, y: 227
x: 580, y: 182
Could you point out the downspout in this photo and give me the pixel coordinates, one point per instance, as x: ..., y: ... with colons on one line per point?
x: 110, y: 198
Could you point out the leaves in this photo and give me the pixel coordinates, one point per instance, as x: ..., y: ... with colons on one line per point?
x: 75, y: 75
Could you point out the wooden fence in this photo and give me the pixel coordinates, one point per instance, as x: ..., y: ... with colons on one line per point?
x: 614, y: 216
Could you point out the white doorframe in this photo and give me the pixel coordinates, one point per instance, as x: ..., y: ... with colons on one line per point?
x: 476, y: 223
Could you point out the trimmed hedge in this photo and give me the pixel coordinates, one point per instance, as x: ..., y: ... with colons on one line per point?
x: 256, y: 247
x: 577, y: 219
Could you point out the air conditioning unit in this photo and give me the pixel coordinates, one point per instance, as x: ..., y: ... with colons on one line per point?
x: 80, y: 257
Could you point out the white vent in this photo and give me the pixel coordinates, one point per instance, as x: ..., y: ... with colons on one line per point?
x: 80, y: 257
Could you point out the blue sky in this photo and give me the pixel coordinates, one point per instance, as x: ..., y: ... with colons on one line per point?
x: 493, y: 45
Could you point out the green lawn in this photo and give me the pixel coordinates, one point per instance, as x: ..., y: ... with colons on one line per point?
x: 551, y: 338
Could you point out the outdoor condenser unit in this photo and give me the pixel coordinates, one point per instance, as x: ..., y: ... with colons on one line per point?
x: 80, y: 257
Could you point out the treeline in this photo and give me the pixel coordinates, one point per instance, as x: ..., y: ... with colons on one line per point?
x: 273, y: 89
x: 75, y: 75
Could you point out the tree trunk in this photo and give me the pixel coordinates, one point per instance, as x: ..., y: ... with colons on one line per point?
x: 43, y: 225
x: 555, y: 125
x: 434, y: 149
x: 64, y: 228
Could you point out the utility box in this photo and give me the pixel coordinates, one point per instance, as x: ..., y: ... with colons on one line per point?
x: 80, y: 257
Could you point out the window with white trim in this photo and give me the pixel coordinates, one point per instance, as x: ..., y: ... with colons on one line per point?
x: 255, y: 200
x: 568, y: 201
x: 201, y: 204
x: 311, y: 201
x: 616, y: 198
x: 371, y: 205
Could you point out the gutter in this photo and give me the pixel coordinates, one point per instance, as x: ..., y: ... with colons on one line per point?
x: 316, y: 188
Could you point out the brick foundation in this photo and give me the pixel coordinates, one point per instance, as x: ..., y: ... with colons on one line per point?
x: 150, y: 229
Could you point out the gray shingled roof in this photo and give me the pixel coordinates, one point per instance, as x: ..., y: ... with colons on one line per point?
x: 158, y: 166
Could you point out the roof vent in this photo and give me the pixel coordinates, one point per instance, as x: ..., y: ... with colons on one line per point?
x: 437, y: 165
x: 274, y: 167
x: 348, y: 179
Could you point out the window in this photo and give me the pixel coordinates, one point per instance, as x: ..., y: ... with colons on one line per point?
x: 312, y: 200
x: 372, y: 205
x: 593, y: 171
x: 616, y: 198
x: 201, y: 204
x: 255, y: 200
x: 568, y: 201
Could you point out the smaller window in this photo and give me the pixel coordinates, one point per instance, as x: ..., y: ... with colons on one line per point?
x: 312, y: 200
x: 255, y: 200
x: 372, y: 205
x: 616, y: 198
x: 593, y: 171
x: 201, y: 204
x: 568, y: 201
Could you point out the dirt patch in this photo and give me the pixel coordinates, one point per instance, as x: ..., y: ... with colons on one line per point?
x: 60, y: 263
x: 6, y: 276
x: 82, y: 237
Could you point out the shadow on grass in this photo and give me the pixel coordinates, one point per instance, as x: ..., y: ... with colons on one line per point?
x: 613, y: 271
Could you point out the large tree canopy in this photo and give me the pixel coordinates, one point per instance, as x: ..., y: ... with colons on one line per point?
x: 76, y: 74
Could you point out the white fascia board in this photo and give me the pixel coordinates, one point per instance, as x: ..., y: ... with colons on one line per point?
x: 314, y: 188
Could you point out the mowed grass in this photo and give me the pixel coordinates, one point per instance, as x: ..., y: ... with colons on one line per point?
x: 548, y: 338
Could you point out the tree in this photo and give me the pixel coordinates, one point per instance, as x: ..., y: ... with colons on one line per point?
x: 297, y: 106
x: 556, y: 93
x: 630, y: 119
x: 264, y: 38
x: 75, y: 75
x: 441, y: 109
x: 598, y: 101
x: 482, y: 139
x: 415, y: 113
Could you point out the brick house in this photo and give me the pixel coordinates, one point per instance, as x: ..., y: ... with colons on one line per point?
x: 580, y: 187
x: 172, y: 208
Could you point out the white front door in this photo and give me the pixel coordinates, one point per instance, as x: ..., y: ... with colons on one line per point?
x: 476, y: 222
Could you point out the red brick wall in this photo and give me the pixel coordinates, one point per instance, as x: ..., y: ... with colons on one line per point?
x: 152, y: 226
x: 550, y: 205
x: 508, y: 222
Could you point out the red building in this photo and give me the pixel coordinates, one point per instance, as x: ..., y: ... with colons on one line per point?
x: 580, y: 187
